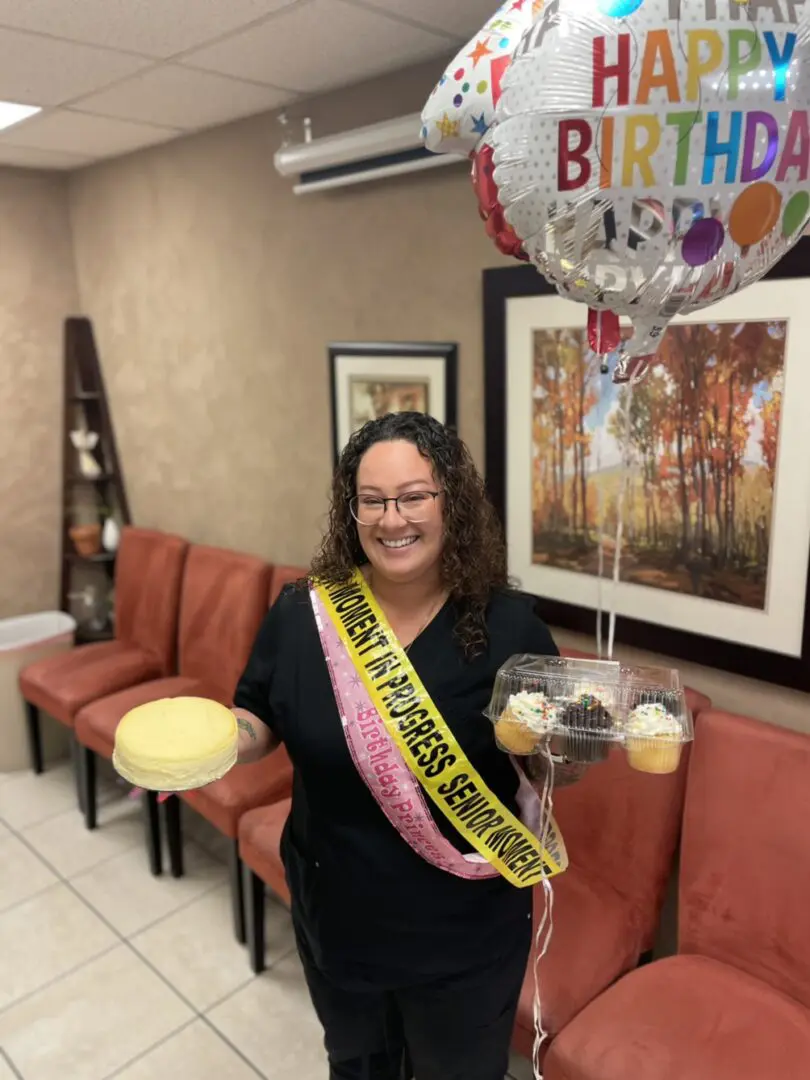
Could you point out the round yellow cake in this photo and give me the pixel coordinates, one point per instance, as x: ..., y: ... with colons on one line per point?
x: 176, y: 744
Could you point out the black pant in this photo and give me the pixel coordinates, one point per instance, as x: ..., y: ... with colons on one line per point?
x: 459, y: 1028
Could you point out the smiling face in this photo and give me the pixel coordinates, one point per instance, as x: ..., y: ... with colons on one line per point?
x: 398, y: 549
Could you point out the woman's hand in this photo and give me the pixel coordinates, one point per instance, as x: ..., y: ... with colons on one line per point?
x: 564, y: 773
x: 255, y: 742
x: 255, y: 738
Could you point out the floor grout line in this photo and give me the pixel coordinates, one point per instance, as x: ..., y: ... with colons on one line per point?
x: 249, y: 979
x: 154, y: 1046
x: 122, y: 938
x: 128, y: 941
x: 4, y: 1057
x: 63, y: 880
x: 31, y: 896
x: 16, y: 829
x: 50, y: 867
x: 175, y: 911
x: 130, y: 944
x: 199, y: 1014
x: 57, y: 978
x: 239, y: 1053
x: 206, y: 1018
x: 33, y: 824
x: 55, y: 870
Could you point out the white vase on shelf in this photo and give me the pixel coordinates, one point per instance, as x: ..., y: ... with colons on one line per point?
x: 110, y: 535
x: 85, y: 441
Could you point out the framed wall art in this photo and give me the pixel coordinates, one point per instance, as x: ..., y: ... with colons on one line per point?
x: 371, y: 379
x: 715, y: 564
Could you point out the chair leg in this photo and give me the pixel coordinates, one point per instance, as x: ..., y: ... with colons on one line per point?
x: 76, y: 758
x: 87, y: 781
x: 34, y: 738
x: 237, y: 892
x: 151, y: 816
x: 174, y: 834
x: 255, y: 920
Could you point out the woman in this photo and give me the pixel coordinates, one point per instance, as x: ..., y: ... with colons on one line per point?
x: 399, y: 948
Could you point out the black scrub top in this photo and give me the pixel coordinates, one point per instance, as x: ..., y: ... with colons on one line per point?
x: 369, y: 911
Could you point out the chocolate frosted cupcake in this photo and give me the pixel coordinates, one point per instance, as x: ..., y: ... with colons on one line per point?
x: 584, y: 718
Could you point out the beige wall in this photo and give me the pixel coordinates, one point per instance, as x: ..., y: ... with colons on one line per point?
x: 37, y: 291
x: 214, y: 292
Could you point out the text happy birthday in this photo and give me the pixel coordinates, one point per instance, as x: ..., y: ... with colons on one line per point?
x: 627, y: 144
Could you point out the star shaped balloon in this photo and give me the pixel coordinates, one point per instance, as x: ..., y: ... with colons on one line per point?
x: 468, y: 90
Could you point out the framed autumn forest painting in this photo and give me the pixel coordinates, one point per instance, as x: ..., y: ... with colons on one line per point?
x: 715, y: 565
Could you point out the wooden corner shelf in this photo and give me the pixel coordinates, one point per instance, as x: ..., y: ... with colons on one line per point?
x: 85, y: 636
x: 93, y: 488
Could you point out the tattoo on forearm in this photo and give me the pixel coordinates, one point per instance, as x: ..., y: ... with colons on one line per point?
x: 246, y: 725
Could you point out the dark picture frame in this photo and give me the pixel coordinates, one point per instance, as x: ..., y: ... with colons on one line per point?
x: 412, y: 374
x: 500, y: 287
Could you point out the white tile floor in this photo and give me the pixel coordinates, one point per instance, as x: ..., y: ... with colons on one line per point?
x: 108, y: 972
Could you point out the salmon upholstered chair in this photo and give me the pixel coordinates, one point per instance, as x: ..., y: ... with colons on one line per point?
x: 246, y: 786
x: 223, y: 601
x: 260, y: 833
x: 148, y: 573
x: 734, y: 1004
x: 621, y: 830
x: 260, y: 851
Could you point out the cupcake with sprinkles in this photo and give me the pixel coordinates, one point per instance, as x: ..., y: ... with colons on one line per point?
x: 527, y: 720
x: 653, y: 739
x: 586, y: 722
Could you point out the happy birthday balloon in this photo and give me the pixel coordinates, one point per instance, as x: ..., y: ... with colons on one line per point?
x: 653, y: 155
x: 462, y: 106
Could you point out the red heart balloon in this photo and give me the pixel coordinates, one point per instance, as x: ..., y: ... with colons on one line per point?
x: 498, y: 229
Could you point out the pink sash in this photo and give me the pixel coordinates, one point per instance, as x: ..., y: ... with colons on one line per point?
x: 383, y: 769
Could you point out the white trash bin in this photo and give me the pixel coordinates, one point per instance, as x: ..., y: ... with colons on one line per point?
x: 23, y: 641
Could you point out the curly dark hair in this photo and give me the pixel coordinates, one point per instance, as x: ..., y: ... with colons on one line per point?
x: 473, y: 562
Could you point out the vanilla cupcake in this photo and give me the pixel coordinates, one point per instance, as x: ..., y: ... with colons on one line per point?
x: 514, y: 737
x: 525, y: 722
x: 653, y: 739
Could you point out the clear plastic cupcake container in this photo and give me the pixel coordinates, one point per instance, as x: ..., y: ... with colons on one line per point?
x: 573, y: 711
x: 541, y: 768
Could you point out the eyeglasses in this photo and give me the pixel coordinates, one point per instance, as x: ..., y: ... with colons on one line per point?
x: 413, y: 507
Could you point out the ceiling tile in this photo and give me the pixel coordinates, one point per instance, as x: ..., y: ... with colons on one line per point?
x: 43, y: 71
x: 157, y: 28
x: 319, y: 45
x: 28, y: 158
x: 70, y: 132
x: 183, y: 98
x: 461, y: 18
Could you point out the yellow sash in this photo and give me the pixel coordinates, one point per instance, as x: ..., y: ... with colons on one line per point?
x: 415, y: 724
